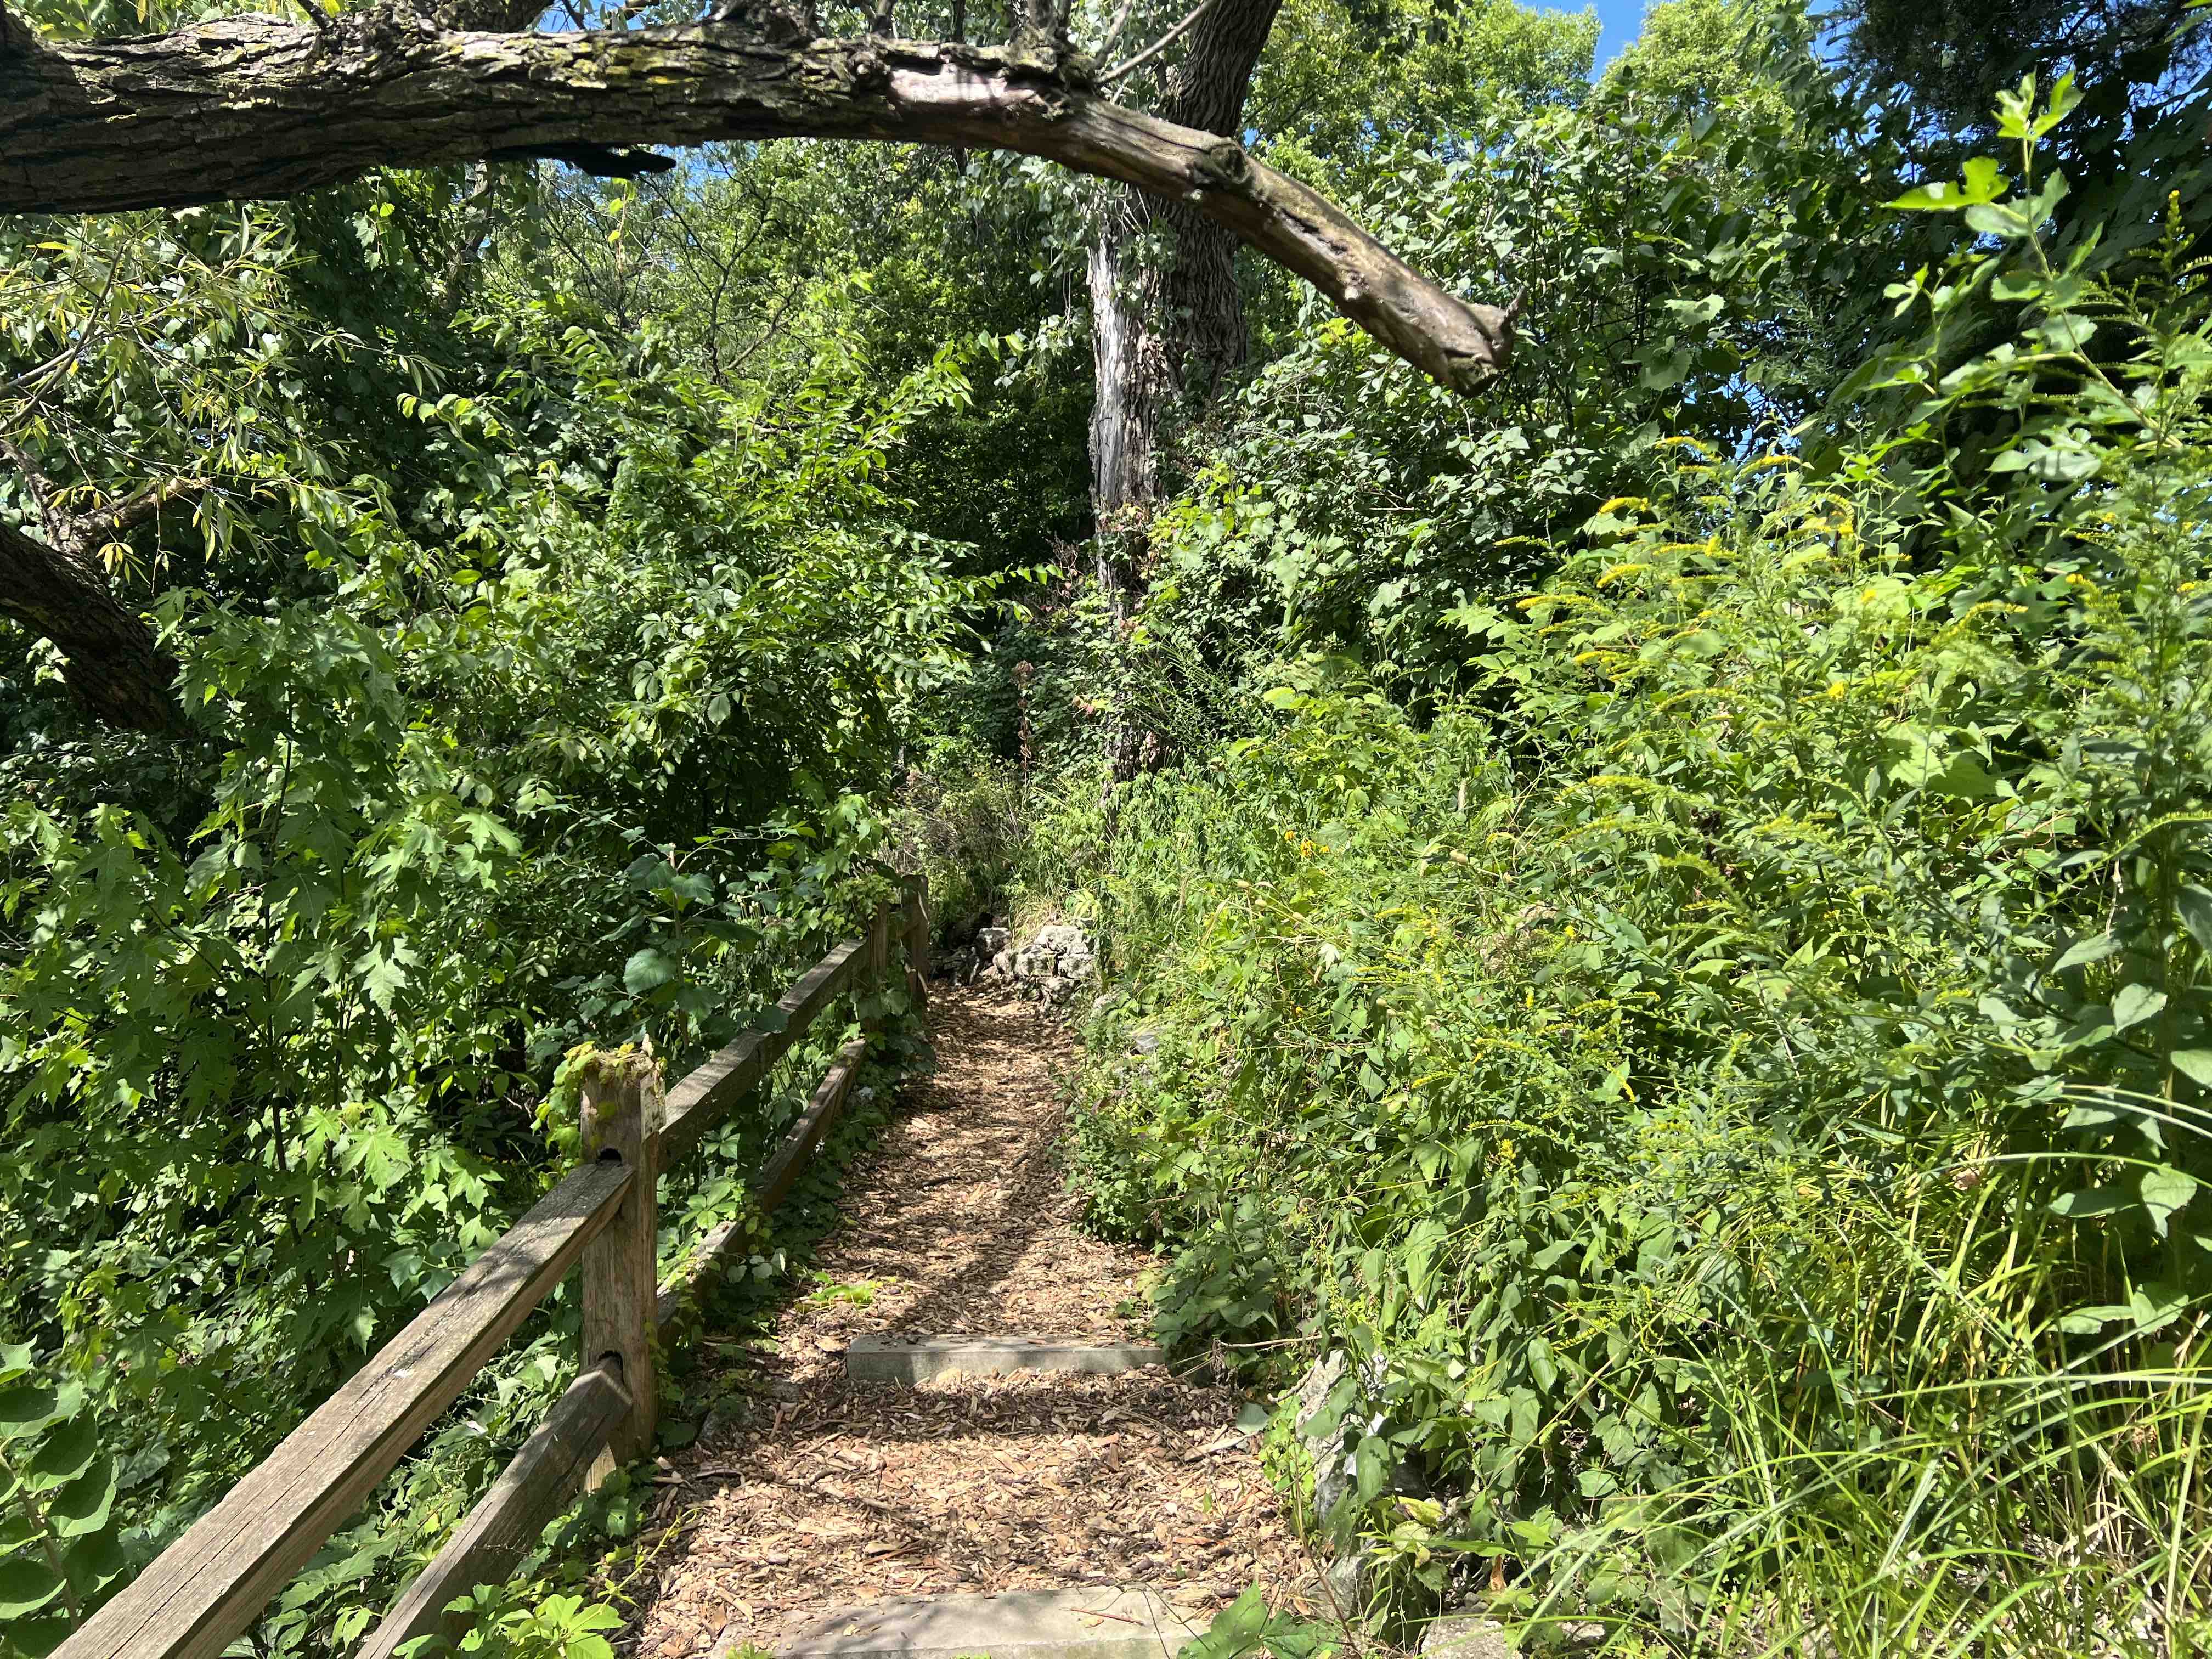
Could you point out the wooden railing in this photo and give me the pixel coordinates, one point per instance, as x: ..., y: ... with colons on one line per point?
x: 211, y: 1586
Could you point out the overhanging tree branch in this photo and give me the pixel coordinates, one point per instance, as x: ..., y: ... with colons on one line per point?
x: 112, y: 661
x: 255, y: 107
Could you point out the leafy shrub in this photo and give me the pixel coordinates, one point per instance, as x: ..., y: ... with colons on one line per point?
x: 610, y: 765
x: 1735, y: 1076
x: 59, y: 1553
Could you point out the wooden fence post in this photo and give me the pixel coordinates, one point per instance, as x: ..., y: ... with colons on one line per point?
x: 623, y: 1107
x: 913, y: 918
x: 878, y: 960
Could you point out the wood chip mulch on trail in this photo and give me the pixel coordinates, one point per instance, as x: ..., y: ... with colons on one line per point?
x: 833, y: 1493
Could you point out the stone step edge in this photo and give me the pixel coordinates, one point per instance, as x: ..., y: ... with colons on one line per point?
x: 1096, y: 1622
x: 919, y: 1359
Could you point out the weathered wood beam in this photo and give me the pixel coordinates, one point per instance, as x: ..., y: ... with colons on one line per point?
x: 781, y: 1173
x: 253, y: 107
x: 704, y: 1097
x: 545, y: 1477
x: 212, y: 1584
x: 554, y: 1464
x: 622, y: 1113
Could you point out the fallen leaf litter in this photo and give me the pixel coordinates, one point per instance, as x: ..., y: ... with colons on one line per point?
x: 837, y: 1493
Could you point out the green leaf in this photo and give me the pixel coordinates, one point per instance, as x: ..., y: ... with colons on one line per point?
x: 1371, y: 1465
x: 1984, y: 182
x: 2087, y: 1322
x: 648, y: 970
x: 82, y: 1506
x: 2195, y: 1064
x: 2155, y: 1306
x: 26, y: 1585
x: 2166, y: 1190
x: 1235, y: 1630
x: 63, y: 1455
x: 2195, y: 904
x: 37, y: 1638
x: 2093, y: 1202
x: 26, y: 1409
x: 1963, y: 779
x: 2082, y: 952
x: 2134, y: 1004
x: 94, y: 1559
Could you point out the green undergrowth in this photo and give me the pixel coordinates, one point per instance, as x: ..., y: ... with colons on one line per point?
x: 1733, y: 1080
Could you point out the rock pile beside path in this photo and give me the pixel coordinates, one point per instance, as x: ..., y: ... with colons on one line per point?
x: 1054, y: 965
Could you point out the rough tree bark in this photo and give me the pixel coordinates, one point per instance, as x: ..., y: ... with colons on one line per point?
x: 248, y: 107
x: 253, y: 107
x: 1171, y: 331
x: 112, y: 661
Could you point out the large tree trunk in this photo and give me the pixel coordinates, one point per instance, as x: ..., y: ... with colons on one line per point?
x: 1165, y: 337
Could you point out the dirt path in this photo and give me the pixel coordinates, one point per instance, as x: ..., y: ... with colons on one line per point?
x: 836, y: 1494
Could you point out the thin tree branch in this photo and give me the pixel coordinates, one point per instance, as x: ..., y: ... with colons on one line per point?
x: 35, y: 482
x: 1114, y: 29
x: 1158, y: 46
x: 93, y: 529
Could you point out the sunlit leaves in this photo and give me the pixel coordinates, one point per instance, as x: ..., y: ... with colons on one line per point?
x: 58, y: 1556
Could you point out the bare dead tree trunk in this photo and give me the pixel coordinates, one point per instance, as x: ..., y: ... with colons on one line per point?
x: 1166, y: 334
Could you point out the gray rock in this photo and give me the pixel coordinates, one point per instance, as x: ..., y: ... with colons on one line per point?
x: 1335, y: 1476
x: 733, y: 1415
x: 1466, y: 1635
x: 1145, y: 1042
x: 1081, y: 966
x: 1333, y: 1473
x: 1346, y: 1577
x: 1002, y: 965
x: 992, y: 941
x: 1062, y: 941
x: 1034, y: 964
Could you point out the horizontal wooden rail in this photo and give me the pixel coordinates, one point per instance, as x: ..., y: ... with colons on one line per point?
x: 486, y: 1549
x: 782, y: 1171
x: 551, y: 1468
x: 208, y: 1588
x: 704, y: 1099
x: 212, y: 1584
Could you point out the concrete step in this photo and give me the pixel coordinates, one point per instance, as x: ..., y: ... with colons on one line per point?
x: 1098, y: 1623
x: 919, y: 1358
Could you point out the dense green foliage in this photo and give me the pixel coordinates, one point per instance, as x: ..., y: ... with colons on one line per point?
x: 1670, y: 919
x: 539, y: 693
x: 1730, y: 1069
